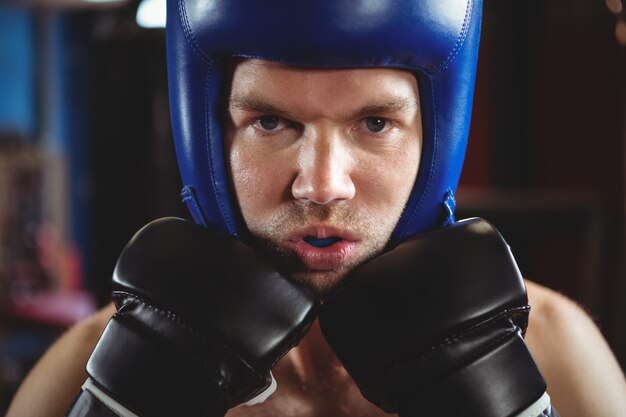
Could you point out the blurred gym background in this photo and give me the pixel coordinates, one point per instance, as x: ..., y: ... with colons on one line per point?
x: 86, y: 157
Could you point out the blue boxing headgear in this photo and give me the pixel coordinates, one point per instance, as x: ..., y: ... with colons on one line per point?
x: 436, y: 39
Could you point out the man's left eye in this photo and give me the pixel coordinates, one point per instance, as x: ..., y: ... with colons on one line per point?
x: 269, y: 122
x: 375, y: 124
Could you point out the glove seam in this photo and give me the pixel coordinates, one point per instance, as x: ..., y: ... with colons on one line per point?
x: 222, y: 386
x: 464, y: 360
x: 481, y: 325
x: 412, y: 359
x: 170, y: 315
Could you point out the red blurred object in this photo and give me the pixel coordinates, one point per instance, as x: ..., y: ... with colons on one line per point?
x: 54, y: 309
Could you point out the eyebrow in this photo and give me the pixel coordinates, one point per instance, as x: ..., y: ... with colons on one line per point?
x: 251, y: 104
x: 388, y: 107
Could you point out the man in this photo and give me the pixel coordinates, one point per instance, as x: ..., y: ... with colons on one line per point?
x: 329, y: 167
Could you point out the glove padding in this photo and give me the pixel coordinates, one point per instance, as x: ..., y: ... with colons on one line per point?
x: 435, y: 327
x: 202, y: 319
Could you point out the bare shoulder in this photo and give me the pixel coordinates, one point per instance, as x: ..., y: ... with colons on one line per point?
x: 583, y: 376
x: 53, y: 383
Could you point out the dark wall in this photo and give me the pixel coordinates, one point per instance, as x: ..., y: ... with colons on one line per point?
x: 546, y: 156
x: 134, y: 168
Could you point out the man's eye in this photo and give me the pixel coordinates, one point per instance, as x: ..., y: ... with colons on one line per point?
x: 375, y: 124
x: 269, y: 122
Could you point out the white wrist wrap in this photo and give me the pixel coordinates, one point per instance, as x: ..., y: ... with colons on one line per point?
x: 105, y: 399
x: 265, y: 394
x: 537, y: 408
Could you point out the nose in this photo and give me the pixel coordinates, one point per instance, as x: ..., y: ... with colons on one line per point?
x: 324, y: 171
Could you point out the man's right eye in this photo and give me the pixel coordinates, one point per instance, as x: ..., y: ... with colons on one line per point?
x: 268, y: 122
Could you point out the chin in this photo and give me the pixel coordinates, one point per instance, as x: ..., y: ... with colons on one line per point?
x: 322, y: 283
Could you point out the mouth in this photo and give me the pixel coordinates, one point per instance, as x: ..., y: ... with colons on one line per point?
x: 321, y: 242
x: 323, y: 248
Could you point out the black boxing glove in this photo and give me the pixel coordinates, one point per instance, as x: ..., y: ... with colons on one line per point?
x: 435, y: 327
x: 202, y: 319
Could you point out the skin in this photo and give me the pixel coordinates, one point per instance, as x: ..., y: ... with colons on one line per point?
x: 301, y: 143
x: 307, y: 165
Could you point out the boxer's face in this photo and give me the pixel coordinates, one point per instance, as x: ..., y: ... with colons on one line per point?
x: 322, y: 161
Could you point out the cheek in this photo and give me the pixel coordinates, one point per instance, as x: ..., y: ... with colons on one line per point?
x: 244, y: 173
x: 388, y: 185
x: 256, y: 178
x: 406, y: 174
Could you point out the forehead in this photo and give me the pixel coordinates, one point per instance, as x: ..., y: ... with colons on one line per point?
x: 289, y: 85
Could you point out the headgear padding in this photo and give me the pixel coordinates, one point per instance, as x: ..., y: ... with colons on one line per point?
x: 436, y: 39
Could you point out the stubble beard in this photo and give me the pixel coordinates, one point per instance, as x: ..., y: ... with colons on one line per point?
x: 373, y: 238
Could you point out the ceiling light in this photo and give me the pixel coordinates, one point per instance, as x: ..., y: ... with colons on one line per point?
x: 151, y: 14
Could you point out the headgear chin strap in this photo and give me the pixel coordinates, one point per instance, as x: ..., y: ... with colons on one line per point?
x: 436, y: 39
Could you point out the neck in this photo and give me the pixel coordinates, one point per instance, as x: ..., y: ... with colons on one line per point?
x: 313, y: 361
x: 312, y: 382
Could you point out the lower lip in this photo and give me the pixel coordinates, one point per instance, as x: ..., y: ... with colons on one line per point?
x: 325, y: 259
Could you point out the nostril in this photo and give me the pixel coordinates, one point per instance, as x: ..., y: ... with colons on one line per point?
x: 321, y: 242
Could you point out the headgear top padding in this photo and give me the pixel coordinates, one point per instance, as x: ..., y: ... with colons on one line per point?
x: 436, y: 39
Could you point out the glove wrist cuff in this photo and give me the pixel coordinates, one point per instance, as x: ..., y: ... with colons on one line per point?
x: 150, y: 380
x: 502, y: 382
